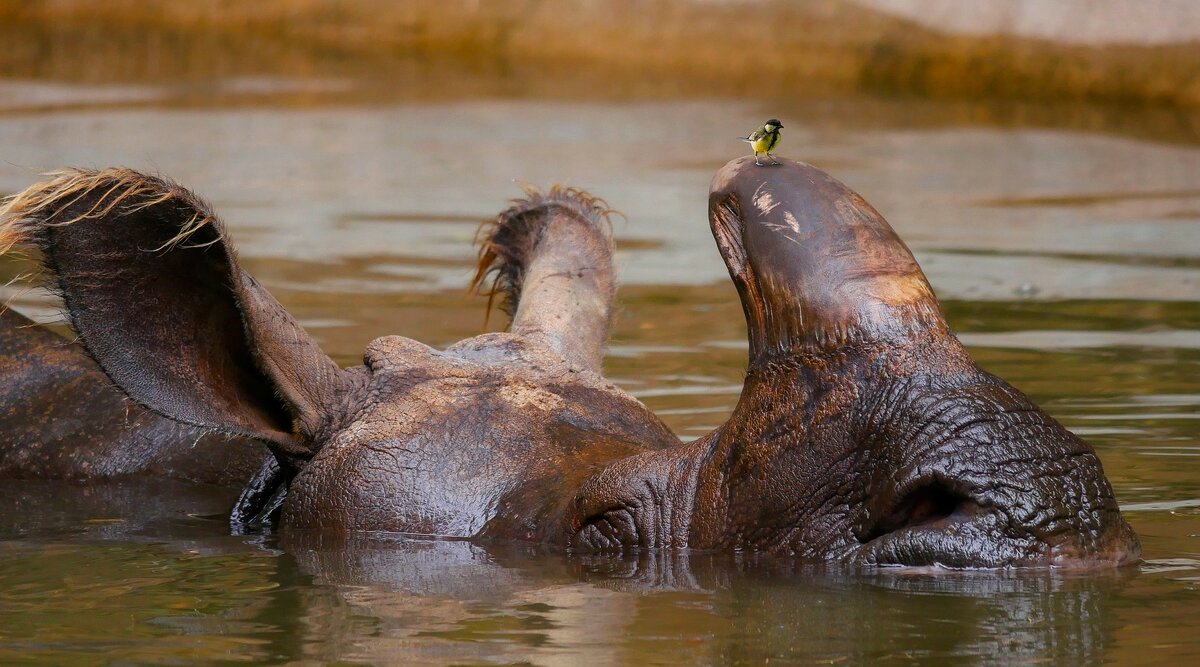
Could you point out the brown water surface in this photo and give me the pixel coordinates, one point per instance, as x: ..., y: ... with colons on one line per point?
x: 1066, y: 253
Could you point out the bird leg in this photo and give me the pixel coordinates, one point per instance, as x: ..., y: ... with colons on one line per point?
x: 773, y: 160
x: 756, y: 160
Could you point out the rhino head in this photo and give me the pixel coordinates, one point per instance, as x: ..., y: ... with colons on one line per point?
x: 864, y: 431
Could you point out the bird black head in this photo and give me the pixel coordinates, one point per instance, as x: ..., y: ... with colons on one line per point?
x: 773, y: 122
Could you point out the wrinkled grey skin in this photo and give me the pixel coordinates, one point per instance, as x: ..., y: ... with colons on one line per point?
x: 491, y: 436
x: 864, y: 433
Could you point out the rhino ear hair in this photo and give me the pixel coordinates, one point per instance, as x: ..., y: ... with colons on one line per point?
x: 156, y: 295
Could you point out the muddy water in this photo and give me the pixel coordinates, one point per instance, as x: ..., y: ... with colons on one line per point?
x: 1067, y: 258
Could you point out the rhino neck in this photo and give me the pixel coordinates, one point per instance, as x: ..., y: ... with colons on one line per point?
x: 835, y: 306
x: 817, y: 268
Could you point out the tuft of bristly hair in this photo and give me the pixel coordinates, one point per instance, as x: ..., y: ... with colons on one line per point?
x: 509, y: 243
x: 72, y: 196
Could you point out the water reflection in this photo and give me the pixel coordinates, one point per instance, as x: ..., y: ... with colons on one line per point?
x: 692, y: 608
x: 143, y: 566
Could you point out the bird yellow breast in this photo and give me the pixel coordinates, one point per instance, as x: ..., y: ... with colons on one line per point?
x: 765, y: 144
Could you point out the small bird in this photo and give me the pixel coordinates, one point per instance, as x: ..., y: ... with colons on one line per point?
x: 764, y: 140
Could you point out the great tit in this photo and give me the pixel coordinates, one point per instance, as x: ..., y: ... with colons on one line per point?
x: 764, y: 140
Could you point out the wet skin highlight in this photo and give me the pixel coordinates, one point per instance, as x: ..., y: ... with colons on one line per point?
x: 864, y: 432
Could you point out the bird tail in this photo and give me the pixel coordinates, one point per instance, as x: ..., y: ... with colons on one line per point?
x: 746, y: 139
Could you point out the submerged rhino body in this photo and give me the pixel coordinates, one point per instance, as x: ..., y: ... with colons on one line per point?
x: 864, y: 432
x: 61, y: 418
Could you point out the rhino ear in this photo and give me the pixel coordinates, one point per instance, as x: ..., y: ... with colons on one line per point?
x: 154, y: 290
